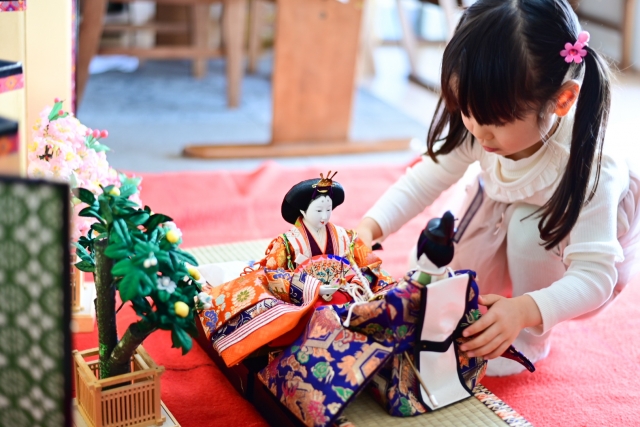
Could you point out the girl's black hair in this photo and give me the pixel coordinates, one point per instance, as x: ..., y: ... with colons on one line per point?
x: 503, y: 63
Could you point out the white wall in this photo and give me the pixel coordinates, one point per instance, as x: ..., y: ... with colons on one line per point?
x: 606, y: 41
x: 636, y: 40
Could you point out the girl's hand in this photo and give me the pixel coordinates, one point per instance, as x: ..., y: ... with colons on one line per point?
x: 497, y: 329
x: 368, y: 230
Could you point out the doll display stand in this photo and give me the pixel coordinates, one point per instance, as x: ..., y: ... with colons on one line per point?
x: 484, y: 410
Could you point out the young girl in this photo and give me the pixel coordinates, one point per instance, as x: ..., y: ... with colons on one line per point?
x: 524, y: 94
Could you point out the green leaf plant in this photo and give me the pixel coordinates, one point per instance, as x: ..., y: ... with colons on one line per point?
x: 136, y: 252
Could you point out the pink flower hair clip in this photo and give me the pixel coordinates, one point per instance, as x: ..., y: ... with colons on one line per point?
x: 575, y: 52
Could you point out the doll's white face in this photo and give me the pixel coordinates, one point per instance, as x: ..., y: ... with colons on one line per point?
x: 318, y: 213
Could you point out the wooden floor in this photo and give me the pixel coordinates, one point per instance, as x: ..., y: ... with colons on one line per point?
x: 148, y: 139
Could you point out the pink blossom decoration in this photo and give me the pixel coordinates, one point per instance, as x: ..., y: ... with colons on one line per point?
x: 63, y: 149
x: 575, y: 52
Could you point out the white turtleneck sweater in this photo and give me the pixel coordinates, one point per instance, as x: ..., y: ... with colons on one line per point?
x: 593, y: 247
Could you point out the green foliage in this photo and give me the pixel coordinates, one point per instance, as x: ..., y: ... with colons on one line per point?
x: 129, y: 186
x: 54, y: 111
x: 149, y: 271
x: 92, y: 143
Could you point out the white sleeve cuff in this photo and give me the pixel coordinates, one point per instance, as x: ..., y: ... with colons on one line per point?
x: 585, y: 287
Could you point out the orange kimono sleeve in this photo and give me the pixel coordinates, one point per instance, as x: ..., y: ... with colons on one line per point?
x: 362, y: 254
x: 277, y: 266
x: 237, y: 295
x: 366, y: 258
x: 253, y: 286
x: 276, y: 254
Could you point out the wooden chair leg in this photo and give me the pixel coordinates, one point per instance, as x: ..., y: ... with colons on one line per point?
x: 366, y: 62
x: 627, y: 33
x: 256, y: 18
x: 450, y: 7
x: 408, y: 38
x: 200, y: 37
x: 89, y: 34
x: 233, y: 23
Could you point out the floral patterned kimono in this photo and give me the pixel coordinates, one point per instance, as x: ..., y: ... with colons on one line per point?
x: 274, y: 296
x: 329, y: 364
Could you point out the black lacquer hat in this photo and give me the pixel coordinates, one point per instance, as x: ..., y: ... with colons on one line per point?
x: 9, y: 68
x: 8, y: 127
x: 436, y: 240
x: 303, y: 193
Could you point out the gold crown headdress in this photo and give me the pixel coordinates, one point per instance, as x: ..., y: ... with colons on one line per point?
x: 325, y: 184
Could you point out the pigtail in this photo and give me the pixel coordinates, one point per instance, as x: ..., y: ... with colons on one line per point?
x: 560, y: 213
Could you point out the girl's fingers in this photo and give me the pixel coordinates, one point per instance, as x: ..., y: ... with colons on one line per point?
x: 488, y: 348
x: 498, y: 351
x: 487, y: 336
x: 489, y: 299
x: 480, y: 325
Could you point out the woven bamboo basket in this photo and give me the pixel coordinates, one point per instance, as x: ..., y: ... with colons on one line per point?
x: 131, y: 400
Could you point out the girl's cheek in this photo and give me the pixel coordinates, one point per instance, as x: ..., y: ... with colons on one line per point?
x: 467, y: 124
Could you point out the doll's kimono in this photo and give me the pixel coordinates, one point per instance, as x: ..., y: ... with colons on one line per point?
x: 278, y: 293
x: 328, y: 365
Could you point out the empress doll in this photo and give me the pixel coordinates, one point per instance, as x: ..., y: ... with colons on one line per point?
x: 315, y: 262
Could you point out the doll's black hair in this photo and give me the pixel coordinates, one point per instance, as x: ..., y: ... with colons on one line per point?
x: 300, y: 196
x: 503, y: 63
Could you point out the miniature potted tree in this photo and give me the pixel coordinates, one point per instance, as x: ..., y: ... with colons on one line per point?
x: 133, y: 252
x: 61, y: 148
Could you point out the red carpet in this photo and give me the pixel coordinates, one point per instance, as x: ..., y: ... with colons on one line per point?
x: 588, y: 380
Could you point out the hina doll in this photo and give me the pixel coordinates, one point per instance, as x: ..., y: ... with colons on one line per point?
x: 429, y: 371
x: 315, y: 262
x: 405, y: 343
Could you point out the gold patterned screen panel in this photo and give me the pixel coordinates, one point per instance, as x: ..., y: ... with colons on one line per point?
x: 35, y: 338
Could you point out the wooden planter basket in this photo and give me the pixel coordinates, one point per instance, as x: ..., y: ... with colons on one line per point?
x: 131, y: 399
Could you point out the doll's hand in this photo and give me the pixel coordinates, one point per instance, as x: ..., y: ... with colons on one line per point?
x: 501, y: 325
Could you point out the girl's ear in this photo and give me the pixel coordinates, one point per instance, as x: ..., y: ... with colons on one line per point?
x: 567, y: 96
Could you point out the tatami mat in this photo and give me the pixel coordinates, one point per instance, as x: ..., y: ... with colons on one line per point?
x: 240, y: 251
x: 365, y: 411
x: 486, y: 410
